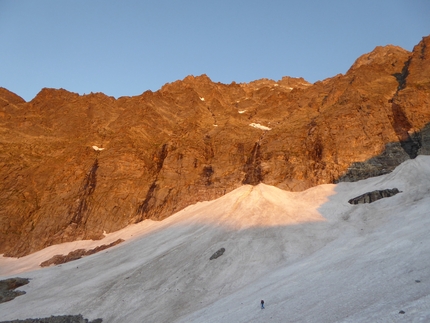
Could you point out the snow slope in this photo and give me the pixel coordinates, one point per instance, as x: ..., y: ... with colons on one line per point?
x: 310, y: 255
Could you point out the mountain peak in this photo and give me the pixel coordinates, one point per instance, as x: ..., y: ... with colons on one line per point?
x: 382, y: 55
x: 197, y: 140
x: 10, y: 97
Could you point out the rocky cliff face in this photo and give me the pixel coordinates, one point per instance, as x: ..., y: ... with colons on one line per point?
x: 74, y: 166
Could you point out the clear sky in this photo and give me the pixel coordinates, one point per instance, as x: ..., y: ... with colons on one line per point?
x: 123, y: 48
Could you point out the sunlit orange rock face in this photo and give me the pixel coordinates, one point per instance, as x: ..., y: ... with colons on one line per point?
x: 74, y: 166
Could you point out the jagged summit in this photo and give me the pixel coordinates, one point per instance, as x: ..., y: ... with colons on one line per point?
x: 197, y: 140
x: 382, y: 55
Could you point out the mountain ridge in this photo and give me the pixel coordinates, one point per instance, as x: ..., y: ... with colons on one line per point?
x: 196, y: 140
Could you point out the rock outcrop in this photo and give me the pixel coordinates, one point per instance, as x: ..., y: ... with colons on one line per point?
x: 57, y: 319
x: 373, y: 196
x: 77, y: 254
x: 8, y: 286
x: 196, y: 140
x: 217, y: 254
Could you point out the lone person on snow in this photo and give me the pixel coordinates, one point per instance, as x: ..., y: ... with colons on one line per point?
x: 262, y: 304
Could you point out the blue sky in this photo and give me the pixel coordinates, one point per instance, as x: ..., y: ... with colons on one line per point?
x: 123, y: 48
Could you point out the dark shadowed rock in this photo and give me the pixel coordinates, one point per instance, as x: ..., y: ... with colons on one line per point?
x: 8, y: 286
x: 393, y: 155
x: 217, y: 254
x: 373, y: 196
x: 57, y: 319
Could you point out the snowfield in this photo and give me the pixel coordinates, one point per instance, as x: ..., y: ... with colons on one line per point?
x: 311, y: 256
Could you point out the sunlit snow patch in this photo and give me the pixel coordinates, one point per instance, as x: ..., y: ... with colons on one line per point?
x: 259, y: 126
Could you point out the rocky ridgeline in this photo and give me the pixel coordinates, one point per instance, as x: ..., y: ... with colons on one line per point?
x: 73, y: 166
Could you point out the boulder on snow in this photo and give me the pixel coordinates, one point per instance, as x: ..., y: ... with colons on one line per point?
x: 373, y: 196
x: 217, y: 254
x: 7, y: 286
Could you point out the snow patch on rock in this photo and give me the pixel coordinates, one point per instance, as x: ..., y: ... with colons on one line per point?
x: 259, y: 126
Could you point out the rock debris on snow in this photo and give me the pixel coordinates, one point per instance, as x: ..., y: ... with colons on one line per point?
x: 8, y: 286
x: 217, y: 254
x: 57, y: 319
x: 373, y: 196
